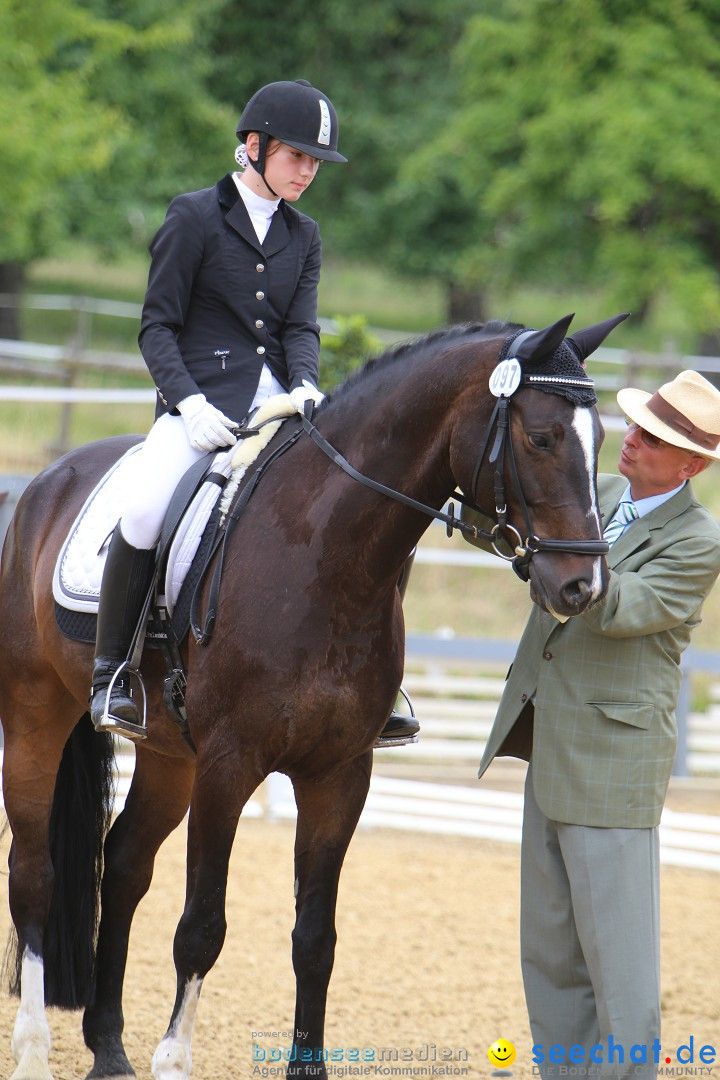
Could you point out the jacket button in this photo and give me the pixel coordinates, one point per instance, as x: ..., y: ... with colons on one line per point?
x: 259, y: 323
x: 259, y: 267
x: 523, y: 697
x: 259, y: 295
x: 260, y: 349
x: 547, y: 656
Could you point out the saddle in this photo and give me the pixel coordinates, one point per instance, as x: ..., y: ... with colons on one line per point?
x: 200, y: 516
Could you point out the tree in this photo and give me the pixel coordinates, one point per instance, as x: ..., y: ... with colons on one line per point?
x: 385, y: 64
x: 97, y: 112
x: 587, y: 140
x: 50, y: 128
x: 177, y: 136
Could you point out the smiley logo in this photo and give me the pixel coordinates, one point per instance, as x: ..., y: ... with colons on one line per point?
x: 501, y: 1053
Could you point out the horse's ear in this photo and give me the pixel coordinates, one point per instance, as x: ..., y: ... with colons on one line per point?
x: 587, y: 341
x: 540, y: 343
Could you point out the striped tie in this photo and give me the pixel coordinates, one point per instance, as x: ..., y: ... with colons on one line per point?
x: 625, y: 514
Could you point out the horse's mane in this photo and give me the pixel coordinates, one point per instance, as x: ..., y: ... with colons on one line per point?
x: 420, y: 346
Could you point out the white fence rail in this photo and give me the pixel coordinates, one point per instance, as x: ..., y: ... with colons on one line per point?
x: 456, y: 713
x: 689, y: 840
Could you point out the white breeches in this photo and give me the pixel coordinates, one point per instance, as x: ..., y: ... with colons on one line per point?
x: 165, y: 456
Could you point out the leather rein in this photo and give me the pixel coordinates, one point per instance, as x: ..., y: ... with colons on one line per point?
x: 502, y: 448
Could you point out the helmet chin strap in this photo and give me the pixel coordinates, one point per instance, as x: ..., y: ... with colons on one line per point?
x: 259, y: 165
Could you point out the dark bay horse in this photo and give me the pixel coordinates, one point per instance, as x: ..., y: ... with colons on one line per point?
x: 300, y: 675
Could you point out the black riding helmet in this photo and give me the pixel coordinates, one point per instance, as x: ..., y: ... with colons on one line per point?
x: 295, y: 113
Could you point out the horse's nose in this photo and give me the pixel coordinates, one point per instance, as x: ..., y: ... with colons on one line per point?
x: 577, y: 594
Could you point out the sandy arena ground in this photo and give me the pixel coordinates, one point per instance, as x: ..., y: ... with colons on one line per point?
x: 427, y: 959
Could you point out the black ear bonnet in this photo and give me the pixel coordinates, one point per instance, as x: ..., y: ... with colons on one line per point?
x: 560, y: 372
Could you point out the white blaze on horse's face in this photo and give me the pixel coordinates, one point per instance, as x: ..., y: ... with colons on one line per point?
x: 584, y: 427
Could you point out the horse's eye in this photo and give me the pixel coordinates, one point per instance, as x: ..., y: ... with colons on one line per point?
x: 541, y: 442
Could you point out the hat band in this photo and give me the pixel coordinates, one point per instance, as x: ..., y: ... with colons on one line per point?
x: 676, y: 420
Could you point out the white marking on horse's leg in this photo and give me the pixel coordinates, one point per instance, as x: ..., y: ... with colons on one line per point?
x: 173, y: 1058
x: 585, y: 431
x: 31, y: 1034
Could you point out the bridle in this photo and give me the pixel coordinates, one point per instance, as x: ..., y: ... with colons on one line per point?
x: 502, y: 450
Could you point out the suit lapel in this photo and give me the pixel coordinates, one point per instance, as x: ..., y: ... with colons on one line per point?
x: 640, y: 531
x: 278, y: 235
x: 237, y: 217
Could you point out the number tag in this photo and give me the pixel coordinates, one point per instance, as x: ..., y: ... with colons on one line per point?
x: 506, y: 377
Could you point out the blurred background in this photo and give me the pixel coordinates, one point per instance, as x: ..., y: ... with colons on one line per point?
x: 513, y: 159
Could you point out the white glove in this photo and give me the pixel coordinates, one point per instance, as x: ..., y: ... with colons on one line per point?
x: 206, y: 426
x: 306, y: 392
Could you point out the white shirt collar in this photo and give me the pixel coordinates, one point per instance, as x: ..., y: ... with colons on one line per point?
x: 260, y: 210
x: 644, y: 506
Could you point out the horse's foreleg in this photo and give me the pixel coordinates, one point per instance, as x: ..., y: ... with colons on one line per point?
x: 214, y: 813
x: 328, y: 812
x: 156, y: 804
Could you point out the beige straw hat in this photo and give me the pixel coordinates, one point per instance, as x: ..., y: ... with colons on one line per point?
x: 684, y: 412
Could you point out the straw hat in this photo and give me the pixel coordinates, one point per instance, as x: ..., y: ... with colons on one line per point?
x: 684, y: 412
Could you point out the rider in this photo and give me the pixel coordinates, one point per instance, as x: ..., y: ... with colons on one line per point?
x: 229, y: 319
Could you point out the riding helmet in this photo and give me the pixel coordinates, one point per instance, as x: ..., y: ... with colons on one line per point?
x: 297, y: 114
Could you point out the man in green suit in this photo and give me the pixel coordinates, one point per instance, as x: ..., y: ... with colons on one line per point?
x: 590, y: 703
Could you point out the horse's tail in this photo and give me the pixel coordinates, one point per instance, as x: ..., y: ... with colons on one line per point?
x: 79, y: 820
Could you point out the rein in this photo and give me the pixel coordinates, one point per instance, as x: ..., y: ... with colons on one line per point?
x: 502, y: 447
x: 523, y: 551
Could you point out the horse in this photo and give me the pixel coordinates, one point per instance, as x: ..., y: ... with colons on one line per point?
x: 302, y: 670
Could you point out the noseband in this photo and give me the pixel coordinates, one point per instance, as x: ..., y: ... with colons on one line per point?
x: 502, y: 448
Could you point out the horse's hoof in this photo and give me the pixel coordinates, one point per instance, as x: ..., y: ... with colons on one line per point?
x: 110, y: 1061
x: 131, y: 1075
x: 32, y: 1067
x: 112, y: 1071
x: 172, y: 1060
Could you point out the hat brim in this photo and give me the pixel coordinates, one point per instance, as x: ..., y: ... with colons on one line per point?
x: 316, y: 151
x: 633, y: 404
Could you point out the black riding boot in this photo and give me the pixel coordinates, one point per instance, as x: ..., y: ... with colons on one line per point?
x: 400, y: 728
x: 125, y: 583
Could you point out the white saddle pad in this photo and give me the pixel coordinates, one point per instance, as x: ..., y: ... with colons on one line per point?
x: 80, y: 564
x: 81, y: 561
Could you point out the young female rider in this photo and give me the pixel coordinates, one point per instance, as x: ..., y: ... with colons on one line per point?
x: 230, y: 318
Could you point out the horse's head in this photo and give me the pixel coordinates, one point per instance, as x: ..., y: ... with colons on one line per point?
x: 535, y: 468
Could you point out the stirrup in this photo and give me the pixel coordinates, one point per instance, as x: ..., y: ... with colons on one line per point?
x: 115, y: 725
x: 399, y: 740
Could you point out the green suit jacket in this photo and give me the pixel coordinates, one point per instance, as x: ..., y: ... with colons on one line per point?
x: 606, y: 683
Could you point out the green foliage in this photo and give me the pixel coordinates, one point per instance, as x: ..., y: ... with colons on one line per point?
x: 101, y: 119
x: 345, y: 350
x: 588, y: 144
x: 385, y: 65
x: 51, y: 127
x: 494, y: 146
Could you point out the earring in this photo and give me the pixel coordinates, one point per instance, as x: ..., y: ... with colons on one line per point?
x: 241, y: 156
